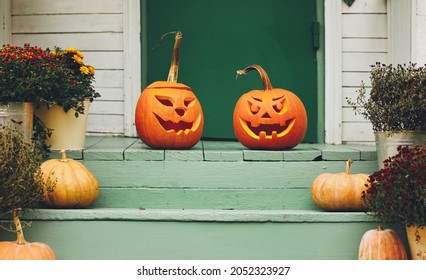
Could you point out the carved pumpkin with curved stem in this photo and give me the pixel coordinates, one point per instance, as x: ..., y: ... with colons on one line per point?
x: 271, y: 118
x: 168, y: 114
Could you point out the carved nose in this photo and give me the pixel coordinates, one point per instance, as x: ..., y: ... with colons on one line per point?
x: 266, y: 116
x: 180, y: 111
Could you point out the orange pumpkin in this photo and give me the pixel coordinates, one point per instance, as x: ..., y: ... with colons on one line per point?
x: 340, y: 191
x: 379, y: 244
x: 23, y: 250
x: 76, y: 186
x: 168, y: 114
x: 269, y: 118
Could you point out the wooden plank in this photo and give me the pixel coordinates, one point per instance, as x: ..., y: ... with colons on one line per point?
x: 76, y: 23
x: 174, y: 240
x: 193, y: 154
x: 105, y: 124
x: 140, y: 151
x: 25, y: 7
x: 361, y: 62
x: 107, y: 107
x: 112, y: 94
x: 105, y: 60
x: 365, y: 7
x: 364, y: 45
x: 361, y: 132
x: 368, y: 152
x: 223, y: 151
x: 364, y: 25
x: 354, y: 79
x: 109, y: 78
x: 302, y: 152
x: 109, y: 149
x: 202, y: 198
x: 82, y: 41
x: 263, y: 155
x: 337, y: 152
x: 222, y: 175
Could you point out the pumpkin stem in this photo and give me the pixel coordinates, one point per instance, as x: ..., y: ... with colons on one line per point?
x: 348, y: 166
x: 20, y: 240
x: 174, y: 67
x: 379, y: 228
x: 265, y: 79
x: 63, y: 156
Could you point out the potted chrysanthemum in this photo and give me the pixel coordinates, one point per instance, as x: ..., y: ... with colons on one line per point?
x: 64, y: 109
x: 397, y: 194
x: 395, y: 106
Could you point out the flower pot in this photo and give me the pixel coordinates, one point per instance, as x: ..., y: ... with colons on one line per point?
x: 387, y: 143
x: 417, y: 247
x: 69, y: 131
x: 20, y: 115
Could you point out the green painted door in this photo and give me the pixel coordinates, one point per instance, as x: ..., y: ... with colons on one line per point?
x: 222, y: 36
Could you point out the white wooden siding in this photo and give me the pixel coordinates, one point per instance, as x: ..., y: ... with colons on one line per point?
x: 420, y: 32
x: 96, y: 28
x: 364, y: 41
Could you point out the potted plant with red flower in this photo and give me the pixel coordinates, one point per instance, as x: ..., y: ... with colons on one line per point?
x: 397, y: 194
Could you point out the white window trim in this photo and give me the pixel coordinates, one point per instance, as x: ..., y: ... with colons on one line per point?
x: 333, y: 71
x: 132, y: 62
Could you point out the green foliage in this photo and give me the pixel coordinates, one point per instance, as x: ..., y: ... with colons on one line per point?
x: 397, y: 100
x: 398, y: 191
x: 21, y: 182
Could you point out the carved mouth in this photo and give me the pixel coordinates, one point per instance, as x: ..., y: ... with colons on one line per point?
x: 179, y: 127
x: 267, y: 131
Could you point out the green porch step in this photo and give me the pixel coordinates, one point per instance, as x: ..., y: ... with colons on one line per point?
x: 156, y: 234
x: 217, y: 200
x: 213, y: 175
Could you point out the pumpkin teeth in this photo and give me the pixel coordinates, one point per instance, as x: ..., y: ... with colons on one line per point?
x: 268, y: 131
x: 179, y: 127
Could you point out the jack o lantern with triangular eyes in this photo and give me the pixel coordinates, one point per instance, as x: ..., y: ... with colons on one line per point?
x: 270, y: 119
x: 168, y: 114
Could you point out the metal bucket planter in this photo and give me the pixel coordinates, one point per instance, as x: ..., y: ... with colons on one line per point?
x: 19, y: 115
x: 69, y: 131
x: 387, y: 143
x: 416, y: 237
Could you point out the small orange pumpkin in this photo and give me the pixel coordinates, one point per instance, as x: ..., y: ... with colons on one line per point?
x: 76, y: 186
x: 168, y: 114
x: 23, y: 250
x: 379, y: 244
x: 340, y: 191
x: 271, y: 118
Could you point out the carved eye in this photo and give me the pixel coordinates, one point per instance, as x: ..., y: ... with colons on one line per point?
x: 188, y: 102
x: 253, y: 107
x: 165, y: 100
x: 279, y: 106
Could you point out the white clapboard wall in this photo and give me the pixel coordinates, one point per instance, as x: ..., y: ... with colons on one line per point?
x: 364, y: 41
x: 93, y: 26
x: 420, y: 23
x: 96, y: 28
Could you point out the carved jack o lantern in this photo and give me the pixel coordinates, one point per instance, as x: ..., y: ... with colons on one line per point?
x: 168, y: 114
x: 270, y: 118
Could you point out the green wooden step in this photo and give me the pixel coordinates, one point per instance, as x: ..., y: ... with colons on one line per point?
x: 213, y: 175
x: 160, y: 234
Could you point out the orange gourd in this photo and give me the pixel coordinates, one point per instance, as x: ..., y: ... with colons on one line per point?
x: 76, y: 186
x: 271, y: 118
x: 168, y: 114
x: 340, y: 191
x: 379, y: 244
x: 23, y: 250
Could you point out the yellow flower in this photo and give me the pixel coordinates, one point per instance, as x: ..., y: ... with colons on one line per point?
x: 70, y: 50
x: 91, y: 69
x: 80, y: 54
x: 77, y: 59
x: 84, y: 70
